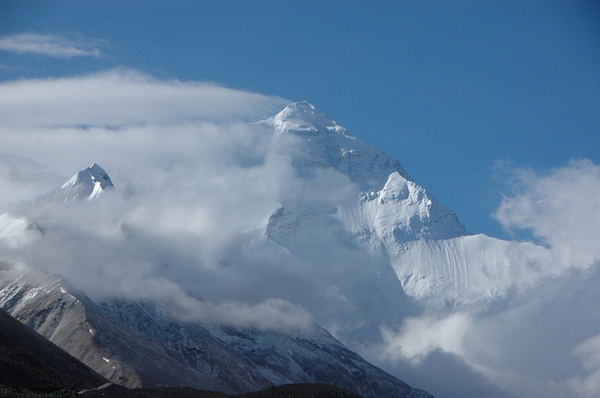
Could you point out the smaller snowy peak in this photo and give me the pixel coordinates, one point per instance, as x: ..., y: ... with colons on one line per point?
x: 86, y: 184
x: 304, y: 119
x: 407, y: 212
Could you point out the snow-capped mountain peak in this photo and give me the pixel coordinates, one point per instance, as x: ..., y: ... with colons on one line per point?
x: 17, y: 230
x: 86, y: 184
x: 313, y: 140
x: 303, y: 118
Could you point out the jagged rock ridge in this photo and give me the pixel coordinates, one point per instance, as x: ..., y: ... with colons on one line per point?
x: 139, y: 345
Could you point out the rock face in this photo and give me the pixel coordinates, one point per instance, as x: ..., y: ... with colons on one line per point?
x: 68, y: 318
x: 307, y: 356
x: 140, y: 345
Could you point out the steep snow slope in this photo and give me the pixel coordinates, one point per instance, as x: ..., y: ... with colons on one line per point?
x: 430, y: 252
x: 467, y: 269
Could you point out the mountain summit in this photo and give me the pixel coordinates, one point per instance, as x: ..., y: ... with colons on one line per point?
x: 315, y: 141
x: 86, y: 184
x: 304, y: 119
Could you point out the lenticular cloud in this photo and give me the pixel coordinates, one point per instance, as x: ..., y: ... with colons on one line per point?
x: 121, y: 97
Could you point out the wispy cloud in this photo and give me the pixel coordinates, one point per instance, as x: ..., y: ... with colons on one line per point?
x: 123, y: 96
x: 52, y: 45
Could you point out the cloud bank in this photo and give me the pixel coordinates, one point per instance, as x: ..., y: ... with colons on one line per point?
x: 52, y: 45
x: 194, y: 186
x: 52, y: 128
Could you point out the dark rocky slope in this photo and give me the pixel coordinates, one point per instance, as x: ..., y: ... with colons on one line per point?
x: 30, y: 361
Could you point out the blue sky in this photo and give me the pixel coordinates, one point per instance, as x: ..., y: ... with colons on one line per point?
x: 447, y: 87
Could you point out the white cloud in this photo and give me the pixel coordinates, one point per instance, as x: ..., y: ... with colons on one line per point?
x: 536, y: 344
x: 195, y: 186
x: 52, y: 45
x: 121, y: 119
x: 22, y: 178
x: 589, y: 352
x: 420, y: 336
x: 270, y: 314
x: 561, y: 208
x: 120, y: 97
